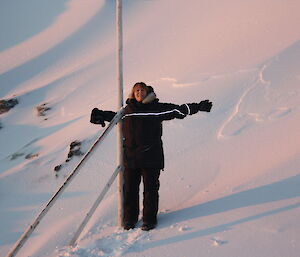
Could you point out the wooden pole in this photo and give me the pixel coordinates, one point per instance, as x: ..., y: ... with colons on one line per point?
x: 120, y: 105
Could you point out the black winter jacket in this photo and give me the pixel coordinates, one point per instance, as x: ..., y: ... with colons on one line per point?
x: 142, y: 131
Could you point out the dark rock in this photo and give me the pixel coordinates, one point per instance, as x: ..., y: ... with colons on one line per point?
x: 58, y: 167
x: 6, y: 105
x: 31, y: 156
x: 42, y: 109
x: 75, y: 149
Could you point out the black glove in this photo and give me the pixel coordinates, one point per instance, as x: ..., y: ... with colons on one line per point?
x: 97, y: 117
x: 205, y: 106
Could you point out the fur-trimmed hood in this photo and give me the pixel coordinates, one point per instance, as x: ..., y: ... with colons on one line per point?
x: 148, y: 99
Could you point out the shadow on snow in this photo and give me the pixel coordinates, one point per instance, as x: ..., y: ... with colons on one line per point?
x: 282, y: 190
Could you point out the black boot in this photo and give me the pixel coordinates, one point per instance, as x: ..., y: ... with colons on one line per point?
x: 129, y: 225
x: 148, y: 226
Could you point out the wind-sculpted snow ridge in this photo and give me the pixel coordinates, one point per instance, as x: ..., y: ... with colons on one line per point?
x: 266, y: 98
x: 67, y: 23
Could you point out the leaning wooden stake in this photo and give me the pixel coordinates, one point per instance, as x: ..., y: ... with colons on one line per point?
x: 19, y: 244
x: 94, y: 207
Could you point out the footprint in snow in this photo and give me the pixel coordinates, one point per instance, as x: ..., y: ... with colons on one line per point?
x: 218, y: 242
x: 116, y: 244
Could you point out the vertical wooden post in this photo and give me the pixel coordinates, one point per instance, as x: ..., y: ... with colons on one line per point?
x: 120, y: 104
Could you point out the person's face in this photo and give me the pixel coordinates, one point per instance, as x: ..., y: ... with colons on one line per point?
x: 139, y: 93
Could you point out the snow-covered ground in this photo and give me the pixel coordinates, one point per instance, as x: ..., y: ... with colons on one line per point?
x: 231, y: 182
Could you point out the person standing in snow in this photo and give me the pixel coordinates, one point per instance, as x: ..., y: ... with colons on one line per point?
x: 143, y: 148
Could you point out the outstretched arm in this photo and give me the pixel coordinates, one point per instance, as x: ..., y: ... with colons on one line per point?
x: 172, y: 111
x: 99, y: 116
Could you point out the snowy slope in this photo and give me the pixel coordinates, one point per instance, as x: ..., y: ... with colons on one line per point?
x: 231, y: 182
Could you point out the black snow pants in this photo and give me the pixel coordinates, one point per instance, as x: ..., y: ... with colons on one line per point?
x: 132, y: 180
